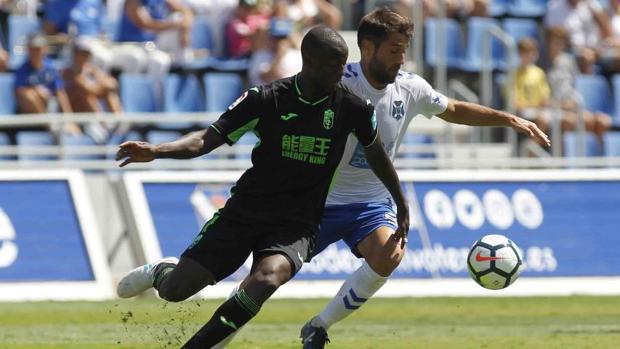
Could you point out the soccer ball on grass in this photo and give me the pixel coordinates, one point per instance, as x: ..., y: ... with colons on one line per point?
x: 494, y: 262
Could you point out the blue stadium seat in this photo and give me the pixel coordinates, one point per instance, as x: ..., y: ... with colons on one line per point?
x: 498, y: 8
x: 182, y: 94
x: 612, y: 144
x: 453, y: 48
x: 137, y: 93
x: 221, y: 90
x: 571, y: 145
x: 74, y: 141
x: 5, y: 141
x: 476, y: 27
x: 29, y: 139
x: 7, y: 94
x: 519, y: 28
x: 20, y: 27
x: 615, y: 83
x: 528, y: 8
x: 596, y: 93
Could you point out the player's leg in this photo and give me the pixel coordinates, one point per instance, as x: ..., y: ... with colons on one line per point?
x: 372, y: 241
x: 270, y: 272
x: 277, y: 258
x: 216, y: 253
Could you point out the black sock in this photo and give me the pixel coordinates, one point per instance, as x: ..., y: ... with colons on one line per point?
x: 161, y: 270
x: 228, y: 318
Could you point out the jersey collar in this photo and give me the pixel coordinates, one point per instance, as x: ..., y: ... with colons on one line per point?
x: 301, y: 99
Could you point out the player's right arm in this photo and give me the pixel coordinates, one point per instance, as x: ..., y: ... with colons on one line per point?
x: 242, y: 116
x: 189, y: 146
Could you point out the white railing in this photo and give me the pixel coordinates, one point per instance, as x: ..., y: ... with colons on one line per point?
x: 448, y: 153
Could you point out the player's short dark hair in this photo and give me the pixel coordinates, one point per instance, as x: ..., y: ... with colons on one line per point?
x: 378, y: 24
x: 322, y: 40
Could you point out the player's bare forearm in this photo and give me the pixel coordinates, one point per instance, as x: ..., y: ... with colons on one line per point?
x: 465, y: 113
x: 189, y: 146
x: 192, y: 145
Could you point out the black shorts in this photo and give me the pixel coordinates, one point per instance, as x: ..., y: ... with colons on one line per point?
x: 223, y: 245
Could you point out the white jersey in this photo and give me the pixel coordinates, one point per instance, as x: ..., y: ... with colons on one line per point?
x: 395, y: 106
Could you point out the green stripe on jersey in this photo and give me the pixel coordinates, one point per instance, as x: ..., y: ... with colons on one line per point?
x: 235, y: 135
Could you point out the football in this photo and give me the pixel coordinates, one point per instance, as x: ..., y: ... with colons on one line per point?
x: 494, y: 262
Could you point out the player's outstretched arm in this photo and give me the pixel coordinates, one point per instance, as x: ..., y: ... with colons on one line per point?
x: 192, y: 145
x: 381, y: 165
x: 472, y: 114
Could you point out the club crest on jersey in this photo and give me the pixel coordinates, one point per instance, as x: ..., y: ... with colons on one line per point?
x: 398, y: 110
x: 239, y: 100
x: 328, y: 119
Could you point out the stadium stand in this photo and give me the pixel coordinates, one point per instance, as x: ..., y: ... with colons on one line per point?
x: 453, y: 42
x: 35, y: 145
x: 498, y: 8
x: 20, y: 27
x: 476, y: 28
x: 527, y: 8
x: 612, y: 144
x: 7, y: 98
x: 72, y: 143
x: 596, y: 93
x: 5, y: 141
x: 137, y: 93
x: 221, y: 90
x: 212, y: 81
x: 571, y: 145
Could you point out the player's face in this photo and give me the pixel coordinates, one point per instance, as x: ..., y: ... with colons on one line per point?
x: 388, y: 57
x: 328, y: 70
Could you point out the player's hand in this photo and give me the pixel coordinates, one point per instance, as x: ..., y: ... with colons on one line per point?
x: 135, y: 152
x: 529, y: 128
x: 402, y: 217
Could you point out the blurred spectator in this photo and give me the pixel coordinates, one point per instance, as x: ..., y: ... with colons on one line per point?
x: 166, y: 22
x: 531, y: 90
x: 307, y: 13
x: 65, y: 19
x: 280, y: 58
x: 247, y: 19
x: 453, y: 8
x: 561, y: 72
x: 587, y: 25
x: 87, y: 86
x: 36, y: 81
x: 206, y: 7
x: 4, y: 59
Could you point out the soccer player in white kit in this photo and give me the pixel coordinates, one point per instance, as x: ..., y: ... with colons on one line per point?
x: 359, y: 209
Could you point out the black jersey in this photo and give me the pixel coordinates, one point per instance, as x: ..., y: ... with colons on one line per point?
x: 300, y: 145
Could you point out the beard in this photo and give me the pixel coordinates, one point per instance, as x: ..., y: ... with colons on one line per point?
x: 381, y: 73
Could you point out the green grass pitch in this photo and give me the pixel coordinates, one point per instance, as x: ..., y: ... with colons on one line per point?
x: 425, y: 323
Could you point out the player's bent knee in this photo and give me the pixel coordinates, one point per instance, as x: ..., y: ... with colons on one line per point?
x: 269, y: 276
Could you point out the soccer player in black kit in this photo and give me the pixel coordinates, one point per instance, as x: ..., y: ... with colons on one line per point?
x: 275, y: 208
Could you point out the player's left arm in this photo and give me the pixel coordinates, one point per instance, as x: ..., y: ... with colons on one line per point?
x: 382, y: 166
x: 465, y: 113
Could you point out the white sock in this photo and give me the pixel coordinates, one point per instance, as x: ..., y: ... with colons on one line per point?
x: 224, y: 342
x: 358, y: 288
